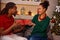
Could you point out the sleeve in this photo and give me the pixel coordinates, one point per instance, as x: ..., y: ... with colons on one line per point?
x: 34, y: 18
x: 1, y: 23
x: 44, y: 26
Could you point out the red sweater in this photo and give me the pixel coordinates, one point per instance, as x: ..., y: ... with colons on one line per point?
x: 6, y: 22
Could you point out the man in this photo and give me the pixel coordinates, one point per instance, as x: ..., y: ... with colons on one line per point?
x: 7, y: 22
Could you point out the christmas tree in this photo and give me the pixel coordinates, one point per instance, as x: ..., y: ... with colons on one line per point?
x: 56, y: 20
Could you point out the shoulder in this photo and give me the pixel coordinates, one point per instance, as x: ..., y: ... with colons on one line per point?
x: 47, y: 18
x: 2, y: 17
x: 36, y: 15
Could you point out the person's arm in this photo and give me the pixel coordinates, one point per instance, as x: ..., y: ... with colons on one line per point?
x: 33, y: 22
x: 20, y: 28
x: 4, y: 32
x: 1, y: 30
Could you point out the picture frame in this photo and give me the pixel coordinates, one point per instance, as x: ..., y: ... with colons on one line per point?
x: 30, y: 2
x: 27, y: 2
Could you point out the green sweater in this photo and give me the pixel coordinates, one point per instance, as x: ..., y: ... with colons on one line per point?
x: 40, y: 27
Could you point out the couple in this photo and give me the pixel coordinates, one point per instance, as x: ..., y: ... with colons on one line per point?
x: 41, y: 21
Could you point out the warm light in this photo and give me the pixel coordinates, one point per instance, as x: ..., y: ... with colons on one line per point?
x: 33, y: 14
x: 18, y: 12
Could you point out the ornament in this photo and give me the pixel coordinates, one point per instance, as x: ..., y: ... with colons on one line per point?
x: 57, y: 9
x: 54, y: 17
x: 56, y: 21
x: 59, y: 24
x: 53, y: 21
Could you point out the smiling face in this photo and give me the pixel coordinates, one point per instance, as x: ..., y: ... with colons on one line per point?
x: 41, y: 9
x: 14, y: 10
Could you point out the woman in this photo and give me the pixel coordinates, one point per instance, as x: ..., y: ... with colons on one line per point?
x: 41, y: 21
x: 7, y: 22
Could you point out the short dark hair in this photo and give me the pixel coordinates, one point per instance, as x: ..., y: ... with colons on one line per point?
x: 45, y: 4
x: 7, y: 7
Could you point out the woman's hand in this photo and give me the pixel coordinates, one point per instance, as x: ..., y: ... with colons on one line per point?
x: 30, y: 23
x: 15, y: 24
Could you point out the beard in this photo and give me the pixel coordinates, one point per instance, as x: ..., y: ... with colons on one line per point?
x: 15, y: 13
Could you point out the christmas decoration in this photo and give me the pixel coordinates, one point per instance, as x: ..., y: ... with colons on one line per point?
x: 53, y: 21
x: 59, y: 24
x: 56, y: 20
x: 54, y: 17
x: 22, y: 11
x: 29, y: 13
